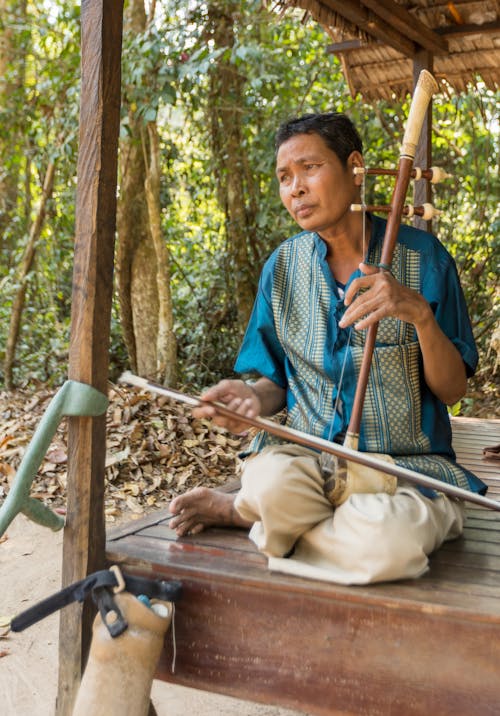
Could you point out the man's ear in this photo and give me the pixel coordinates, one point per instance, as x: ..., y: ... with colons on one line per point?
x: 355, y: 159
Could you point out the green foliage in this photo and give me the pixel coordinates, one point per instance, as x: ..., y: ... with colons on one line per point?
x: 467, y: 146
x: 285, y: 71
x: 42, y: 121
x: 149, y: 74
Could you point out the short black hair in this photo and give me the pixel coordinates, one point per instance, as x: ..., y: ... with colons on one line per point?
x: 335, y: 128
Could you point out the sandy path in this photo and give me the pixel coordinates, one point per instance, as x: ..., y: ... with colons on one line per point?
x: 30, y: 566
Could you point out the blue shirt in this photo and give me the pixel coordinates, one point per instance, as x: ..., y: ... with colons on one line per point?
x: 293, y: 338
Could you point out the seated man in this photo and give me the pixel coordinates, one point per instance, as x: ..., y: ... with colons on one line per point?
x: 318, y: 291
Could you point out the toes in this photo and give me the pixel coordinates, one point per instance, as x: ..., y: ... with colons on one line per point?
x: 184, y: 517
x: 197, y: 529
x: 175, y: 522
x: 172, y: 508
x: 182, y: 528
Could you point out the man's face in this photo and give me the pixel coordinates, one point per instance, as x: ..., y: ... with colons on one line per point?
x: 314, y: 186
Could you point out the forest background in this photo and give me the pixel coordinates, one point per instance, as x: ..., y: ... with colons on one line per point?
x: 205, y: 85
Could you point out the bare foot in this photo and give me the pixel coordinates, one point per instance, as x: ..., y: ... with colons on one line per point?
x: 203, y: 507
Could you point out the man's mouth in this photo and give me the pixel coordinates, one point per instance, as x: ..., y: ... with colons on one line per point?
x: 303, y: 210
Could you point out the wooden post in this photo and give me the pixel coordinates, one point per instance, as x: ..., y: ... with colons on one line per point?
x: 84, y: 534
x: 423, y: 60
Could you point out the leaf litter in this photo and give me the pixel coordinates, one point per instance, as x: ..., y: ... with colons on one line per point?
x: 155, y: 450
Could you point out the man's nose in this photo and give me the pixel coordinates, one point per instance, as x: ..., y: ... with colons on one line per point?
x: 298, y: 185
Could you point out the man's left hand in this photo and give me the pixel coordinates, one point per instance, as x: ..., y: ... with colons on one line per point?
x: 376, y: 295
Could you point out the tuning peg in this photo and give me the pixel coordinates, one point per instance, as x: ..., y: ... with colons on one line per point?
x: 434, y: 174
x: 439, y: 174
x: 429, y: 211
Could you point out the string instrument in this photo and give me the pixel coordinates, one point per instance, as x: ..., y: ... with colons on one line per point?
x: 342, y: 478
x: 426, y: 86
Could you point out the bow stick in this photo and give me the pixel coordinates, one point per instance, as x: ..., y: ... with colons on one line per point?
x: 317, y: 443
x: 425, y: 88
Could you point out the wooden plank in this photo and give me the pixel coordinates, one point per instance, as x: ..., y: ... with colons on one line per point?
x: 244, y: 566
x: 474, y: 561
x: 84, y: 534
x: 481, y: 535
x: 475, y: 555
x: 465, y: 583
x: 437, y: 592
x: 470, y: 436
x: 182, y: 558
x: 331, y: 655
x: 372, y: 25
x: 134, y: 526
x: 231, y: 557
x: 475, y: 541
x: 483, y: 521
x: 463, y: 437
x: 408, y: 25
x: 226, y: 538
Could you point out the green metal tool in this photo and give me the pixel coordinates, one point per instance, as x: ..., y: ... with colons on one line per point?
x: 73, y: 398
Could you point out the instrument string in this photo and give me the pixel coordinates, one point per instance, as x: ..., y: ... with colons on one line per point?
x: 327, y: 460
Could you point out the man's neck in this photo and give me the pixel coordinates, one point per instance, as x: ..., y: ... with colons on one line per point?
x: 346, y: 250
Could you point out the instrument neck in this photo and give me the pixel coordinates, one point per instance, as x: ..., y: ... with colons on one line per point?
x: 391, y: 234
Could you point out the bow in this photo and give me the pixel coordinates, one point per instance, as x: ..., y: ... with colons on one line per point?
x: 316, y: 443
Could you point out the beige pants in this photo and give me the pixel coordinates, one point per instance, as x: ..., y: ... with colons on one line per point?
x: 370, y: 538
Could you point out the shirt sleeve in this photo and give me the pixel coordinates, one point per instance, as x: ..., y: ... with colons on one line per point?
x: 442, y: 289
x: 261, y: 351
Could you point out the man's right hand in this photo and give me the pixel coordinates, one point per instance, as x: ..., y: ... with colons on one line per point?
x: 236, y: 395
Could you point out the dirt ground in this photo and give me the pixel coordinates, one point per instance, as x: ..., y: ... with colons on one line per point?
x: 30, y: 566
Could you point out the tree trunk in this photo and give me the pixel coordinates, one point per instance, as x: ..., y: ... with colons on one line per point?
x: 136, y: 260
x: 225, y: 123
x: 136, y: 256
x: 25, y: 268
x: 166, y: 345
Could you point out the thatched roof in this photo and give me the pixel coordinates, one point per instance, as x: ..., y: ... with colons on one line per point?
x: 378, y: 41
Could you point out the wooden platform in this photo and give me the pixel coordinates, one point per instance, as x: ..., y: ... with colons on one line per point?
x: 429, y: 646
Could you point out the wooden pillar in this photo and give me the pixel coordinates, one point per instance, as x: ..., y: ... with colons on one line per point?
x: 84, y: 534
x: 423, y: 60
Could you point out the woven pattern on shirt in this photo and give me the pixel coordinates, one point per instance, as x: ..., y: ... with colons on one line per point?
x: 437, y: 466
x: 301, y: 302
x: 392, y: 410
